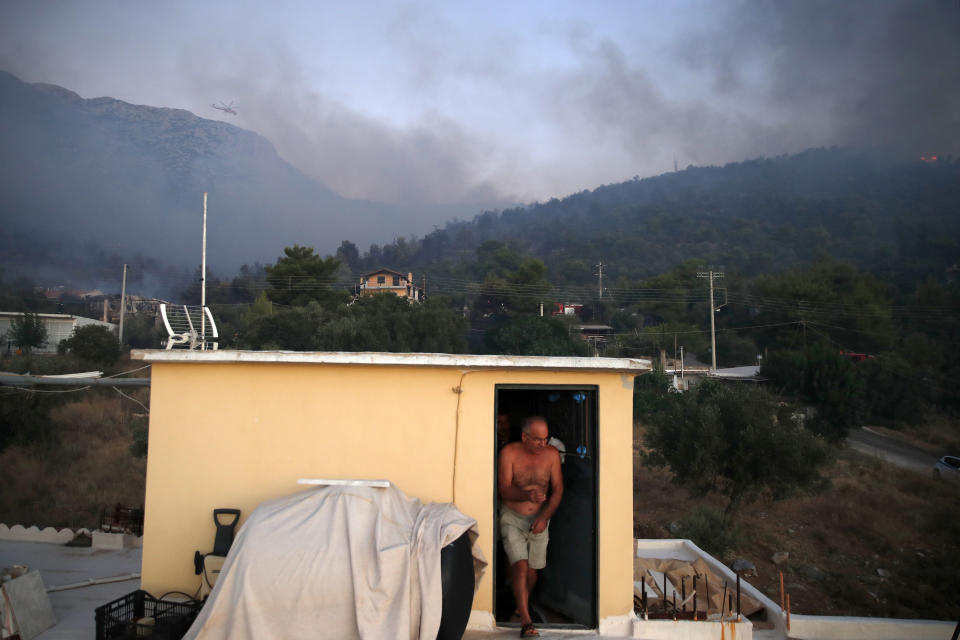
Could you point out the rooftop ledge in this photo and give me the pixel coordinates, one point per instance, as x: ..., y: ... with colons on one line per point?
x: 463, y: 361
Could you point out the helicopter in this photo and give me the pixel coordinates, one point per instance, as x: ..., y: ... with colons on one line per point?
x: 226, y: 108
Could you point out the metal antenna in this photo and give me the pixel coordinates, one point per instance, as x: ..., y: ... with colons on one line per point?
x: 203, y: 277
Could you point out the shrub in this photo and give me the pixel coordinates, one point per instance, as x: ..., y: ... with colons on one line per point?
x: 534, y: 336
x: 92, y: 343
x: 821, y: 377
x: 710, y: 530
x: 140, y: 427
x: 736, y: 441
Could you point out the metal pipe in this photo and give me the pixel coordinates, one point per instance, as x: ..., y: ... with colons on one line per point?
x: 91, y: 582
x: 203, y: 278
x: 18, y: 380
x: 723, y: 601
x: 783, y: 604
x: 788, y: 612
x: 738, y: 597
x: 664, y: 590
x: 644, y: 599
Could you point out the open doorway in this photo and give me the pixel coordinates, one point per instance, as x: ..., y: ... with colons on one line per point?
x: 566, y: 592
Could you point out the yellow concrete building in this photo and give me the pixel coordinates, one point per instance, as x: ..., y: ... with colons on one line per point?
x: 230, y: 429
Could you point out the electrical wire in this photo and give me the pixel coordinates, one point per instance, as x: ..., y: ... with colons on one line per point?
x: 145, y: 408
x: 123, y: 373
x: 78, y: 389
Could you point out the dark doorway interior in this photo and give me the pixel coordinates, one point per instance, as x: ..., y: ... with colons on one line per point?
x: 565, y: 595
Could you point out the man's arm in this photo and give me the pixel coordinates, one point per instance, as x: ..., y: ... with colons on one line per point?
x: 556, y: 495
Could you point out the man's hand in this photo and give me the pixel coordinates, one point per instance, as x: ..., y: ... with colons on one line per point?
x: 536, y: 496
x: 539, y: 525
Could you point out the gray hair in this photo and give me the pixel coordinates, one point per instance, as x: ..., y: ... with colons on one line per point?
x: 529, y: 421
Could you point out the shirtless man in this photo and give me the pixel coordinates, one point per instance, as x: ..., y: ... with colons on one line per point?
x: 531, y: 487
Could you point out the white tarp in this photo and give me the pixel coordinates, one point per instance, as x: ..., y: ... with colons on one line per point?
x: 336, y: 562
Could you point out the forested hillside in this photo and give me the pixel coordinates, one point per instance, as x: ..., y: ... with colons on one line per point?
x: 893, y: 217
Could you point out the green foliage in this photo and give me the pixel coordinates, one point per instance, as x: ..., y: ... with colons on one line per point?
x: 711, y: 530
x: 383, y: 322
x: 25, y: 419
x: 140, y: 428
x: 27, y: 331
x: 823, y: 378
x: 896, y: 391
x: 651, y: 393
x: 290, y: 329
x: 300, y: 276
x: 826, y: 296
x: 534, y: 336
x: 142, y: 331
x: 513, y: 284
x: 733, y: 350
x: 736, y: 441
x: 386, y: 322
x: 92, y: 343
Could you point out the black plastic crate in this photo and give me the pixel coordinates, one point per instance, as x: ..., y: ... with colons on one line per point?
x: 139, y: 614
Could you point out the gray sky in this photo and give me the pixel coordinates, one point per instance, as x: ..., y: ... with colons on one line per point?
x: 450, y: 102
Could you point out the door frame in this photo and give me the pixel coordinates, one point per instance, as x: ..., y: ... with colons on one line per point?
x: 594, y: 439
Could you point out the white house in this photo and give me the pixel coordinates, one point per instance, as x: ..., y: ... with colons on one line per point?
x: 59, y: 326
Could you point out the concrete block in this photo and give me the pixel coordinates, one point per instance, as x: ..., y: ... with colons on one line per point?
x: 27, y: 598
x: 103, y: 540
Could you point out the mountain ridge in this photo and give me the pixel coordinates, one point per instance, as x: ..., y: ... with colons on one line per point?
x: 100, y: 175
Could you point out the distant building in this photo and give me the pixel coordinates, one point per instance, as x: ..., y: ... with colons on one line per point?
x: 107, y: 306
x: 567, y: 309
x: 390, y: 281
x: 597, y: 335
x: 59, y: 326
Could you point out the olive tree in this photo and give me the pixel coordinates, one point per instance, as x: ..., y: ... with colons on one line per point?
x: 27, y: 331
x: 738, y: 441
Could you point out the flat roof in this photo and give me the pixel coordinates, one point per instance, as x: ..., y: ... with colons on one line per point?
x: 466, y: 361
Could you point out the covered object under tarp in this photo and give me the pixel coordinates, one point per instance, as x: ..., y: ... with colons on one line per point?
x: 336, y: 562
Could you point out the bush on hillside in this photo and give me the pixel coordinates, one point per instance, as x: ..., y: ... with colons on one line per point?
x: 738, y: 441
x: 92, y: 343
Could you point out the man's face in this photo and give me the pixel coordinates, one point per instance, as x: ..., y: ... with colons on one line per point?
x: 536, y: 439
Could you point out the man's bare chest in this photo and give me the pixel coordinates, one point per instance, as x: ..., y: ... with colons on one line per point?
x: 531, y: 472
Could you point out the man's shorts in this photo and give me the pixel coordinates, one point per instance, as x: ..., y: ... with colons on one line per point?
x: 519, y: 543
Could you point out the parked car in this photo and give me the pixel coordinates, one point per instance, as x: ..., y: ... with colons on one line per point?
x: 947, y: 467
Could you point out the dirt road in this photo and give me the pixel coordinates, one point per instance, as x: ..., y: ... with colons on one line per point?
x: 865, y: 440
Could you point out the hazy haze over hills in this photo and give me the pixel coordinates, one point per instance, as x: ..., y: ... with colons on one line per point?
x: 441, y: 109
x: 84, y: 179
x: 430, y: 102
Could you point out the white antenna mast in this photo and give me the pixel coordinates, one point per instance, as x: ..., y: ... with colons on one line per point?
x: 203, y: 277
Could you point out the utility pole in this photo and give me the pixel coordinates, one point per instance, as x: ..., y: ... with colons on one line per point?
x: 123, y: 304
x: 599, y: 280
x: 599, y: 267
x: 711, y: 274
x: 681, y: 366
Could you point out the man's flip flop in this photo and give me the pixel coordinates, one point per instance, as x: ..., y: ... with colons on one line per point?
x: 529, y: 631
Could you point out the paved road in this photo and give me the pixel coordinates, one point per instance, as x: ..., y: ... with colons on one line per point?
x: 903, y: 455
